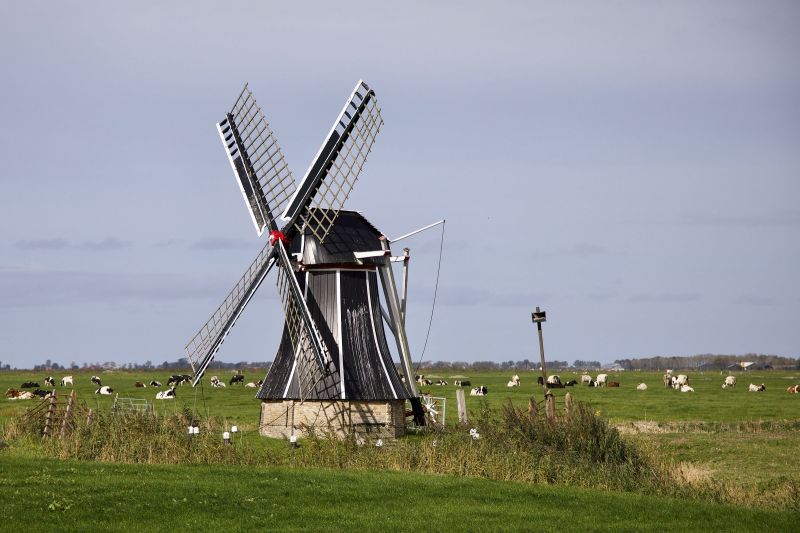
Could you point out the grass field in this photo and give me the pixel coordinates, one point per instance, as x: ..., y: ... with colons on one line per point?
x: 79, y: 496
x: 730, y: 437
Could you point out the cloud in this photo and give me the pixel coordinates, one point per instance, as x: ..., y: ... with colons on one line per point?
x: 107, y: 244
x: 170, y: 243
x: 462, y: 296
x: 43, y: 244
x: 677, y: 297
x: 31, y: 288
x: 58, y: 243
x: 752, y: 299
x: 222, y: 243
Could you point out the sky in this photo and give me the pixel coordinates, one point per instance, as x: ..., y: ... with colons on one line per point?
x: 633, y: 168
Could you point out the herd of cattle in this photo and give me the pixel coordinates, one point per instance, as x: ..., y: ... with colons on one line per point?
x: 678, y: 382
x: 68, y: 381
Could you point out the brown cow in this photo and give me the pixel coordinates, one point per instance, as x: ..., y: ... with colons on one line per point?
x: 613, y: 384
x: 794, y: 389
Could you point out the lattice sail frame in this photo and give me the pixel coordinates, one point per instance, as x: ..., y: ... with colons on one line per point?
x: 351, y: 137
x: 313, y: 360
x: 204, y: 345
x: 265, y: 180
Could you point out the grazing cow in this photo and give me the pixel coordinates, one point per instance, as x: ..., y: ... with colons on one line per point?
x: 155, y: 383
x: 96, y: 381
x: 175, y: 379
x: 238, y: 378
x: 30, y: 385
x: 679, y: 381
x: 730, y: 381
x: 479, y: 391
x: 756, y: 388
x: 462, y: 383
x: 215, y: 382
x: 66, y: 380
x: 168, y: 394
x: 601, y: 380
x: 553, y: 380
x: 585, y: 379
x: 571, y: 383
x: 251, y: 385
x: 105, y: 389
x: 613, y: 384
x: 669, y: 372
x: 794, y: 389
x: 139, y: 385
x: 686, y: 388
x: 50, y: 381
x: 641, y: 386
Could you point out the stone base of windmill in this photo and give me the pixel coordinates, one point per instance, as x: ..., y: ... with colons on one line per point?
x: 370, y: 420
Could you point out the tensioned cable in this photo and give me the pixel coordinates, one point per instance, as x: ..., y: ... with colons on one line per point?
x: 433, y: 306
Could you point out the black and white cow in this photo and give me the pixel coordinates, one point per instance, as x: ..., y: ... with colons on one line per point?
x: 238, y: 378
x: 50, y: 381
x: 96, y: 381
x: 168, y: 394
x: 105, y: 389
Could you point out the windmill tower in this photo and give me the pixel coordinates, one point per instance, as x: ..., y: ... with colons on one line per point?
x: 333, y: 370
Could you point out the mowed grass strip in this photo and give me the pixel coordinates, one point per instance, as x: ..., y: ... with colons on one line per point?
x: 81, y: 496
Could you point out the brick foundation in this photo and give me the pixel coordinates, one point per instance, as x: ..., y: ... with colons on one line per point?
x: 370, y: 419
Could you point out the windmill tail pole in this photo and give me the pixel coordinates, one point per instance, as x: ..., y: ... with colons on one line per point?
x: 429, y: 226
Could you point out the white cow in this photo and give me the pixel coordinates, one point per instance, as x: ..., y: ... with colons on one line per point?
x: 168, y: 394
x: 215, y: 382
x: 602, y: 379
x: 514, y: 381
x: 554, y: 380
x: 730, y: 381
x: 586, y: 379
x: 66, y: 380
x: 686, y: 388
x: 641, y: 386
x: 251, y: 385
x: 756, y: 388
x: 105, y: 389
x: 679, y: 381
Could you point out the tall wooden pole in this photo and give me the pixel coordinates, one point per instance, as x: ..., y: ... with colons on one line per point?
x: 538, y: 317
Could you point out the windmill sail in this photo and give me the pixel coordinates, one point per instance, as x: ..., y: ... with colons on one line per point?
x: 313, y: 360
x: 204, y: 345
x: 264, y: 177
x: 335, y: 169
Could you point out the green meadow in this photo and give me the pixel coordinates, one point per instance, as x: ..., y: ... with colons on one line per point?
x: 739, y: 448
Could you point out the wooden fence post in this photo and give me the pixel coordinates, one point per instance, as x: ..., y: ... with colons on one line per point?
x: 533, y: 409
x: 48, y: 421
x: 568, y: 403
x: 67, y: 412
x: 462, y: 406
x: 550, y: 406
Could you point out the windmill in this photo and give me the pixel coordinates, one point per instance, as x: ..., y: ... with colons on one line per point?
x: 333, y: 369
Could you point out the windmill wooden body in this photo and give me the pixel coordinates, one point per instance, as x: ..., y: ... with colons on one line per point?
x: 333, y: 370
